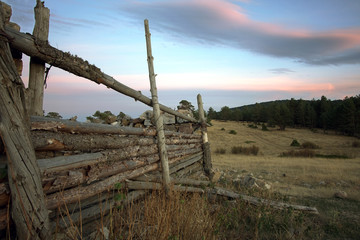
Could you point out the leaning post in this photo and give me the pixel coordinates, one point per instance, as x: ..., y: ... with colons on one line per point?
x: 156, y: 109
x: 28, y: 208
x: 37, y: 66
x: 206, y: 145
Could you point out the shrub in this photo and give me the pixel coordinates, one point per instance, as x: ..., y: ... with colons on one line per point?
x: 220, y: 151
x: 295, y: 143
x: 233, y: 132
x: 264, y: 127
x: 309, y: 145
x: 300, y: 153
x: 245, y: 150
x: 222, y: 129
x: 356, y: 144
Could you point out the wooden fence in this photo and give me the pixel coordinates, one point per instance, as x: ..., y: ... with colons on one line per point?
x: 81, y: 164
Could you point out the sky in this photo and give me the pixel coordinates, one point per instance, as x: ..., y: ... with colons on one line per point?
x: 232, y: 52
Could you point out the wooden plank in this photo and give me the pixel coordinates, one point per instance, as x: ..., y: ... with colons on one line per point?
x: 34, y: 47
x: 156, y: 109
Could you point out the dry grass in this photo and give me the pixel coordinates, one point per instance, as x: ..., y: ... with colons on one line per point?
x: 316, y: 177
x: 177, y: 216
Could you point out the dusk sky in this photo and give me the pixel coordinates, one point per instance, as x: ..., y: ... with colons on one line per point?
x: 233, y: 52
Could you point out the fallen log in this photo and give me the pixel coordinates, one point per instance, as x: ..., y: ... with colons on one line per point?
x: 258, y: 201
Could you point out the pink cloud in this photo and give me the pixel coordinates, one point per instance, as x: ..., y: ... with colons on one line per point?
x: 223, y: 22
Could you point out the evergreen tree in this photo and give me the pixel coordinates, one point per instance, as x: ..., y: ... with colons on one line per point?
x: 346, y: 118
x: 225, y: 113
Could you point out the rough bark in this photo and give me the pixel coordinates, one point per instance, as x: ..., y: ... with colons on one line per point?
x: 28, y: 211
x: 56, y: 141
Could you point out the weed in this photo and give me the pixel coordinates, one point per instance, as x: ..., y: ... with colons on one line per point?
x: 248, y: 142
x: 222, y: 129
x: 233, y: 132
x: 245, y: 150
x: 252, y: 126
x: 264, y: 127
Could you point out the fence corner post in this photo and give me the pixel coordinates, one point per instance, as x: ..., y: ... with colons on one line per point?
x: 207, y: 164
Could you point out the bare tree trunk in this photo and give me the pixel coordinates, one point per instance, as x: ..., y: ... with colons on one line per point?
x: 28, y: 203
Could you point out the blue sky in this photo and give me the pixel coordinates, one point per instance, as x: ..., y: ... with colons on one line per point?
x: 233, y: 52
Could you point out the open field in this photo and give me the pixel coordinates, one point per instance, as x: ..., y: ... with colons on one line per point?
x: 309, y: 181
x: 298, y: 176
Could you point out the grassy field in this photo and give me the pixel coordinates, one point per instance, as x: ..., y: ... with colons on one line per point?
x: 304, y: 180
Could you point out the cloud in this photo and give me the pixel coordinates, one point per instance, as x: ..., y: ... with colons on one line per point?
x: 226, y: 23
x: 281, y: 70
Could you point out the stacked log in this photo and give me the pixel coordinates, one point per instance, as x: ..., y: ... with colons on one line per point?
x: 82, y: 164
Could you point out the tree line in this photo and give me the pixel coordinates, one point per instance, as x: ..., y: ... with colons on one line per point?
x: 342, y: 116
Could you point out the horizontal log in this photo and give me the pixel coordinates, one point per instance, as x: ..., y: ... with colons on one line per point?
x: 103, y: 171
x: 184, y: 163
x: 190, y: 171
x: 82, y: 192
x: 69, y: 162
x: 42, y: 50
x: 174, y: 155
x: 175, y: 180
x: 61, y: 125
x: 158, y: 186
x: 58, y: 141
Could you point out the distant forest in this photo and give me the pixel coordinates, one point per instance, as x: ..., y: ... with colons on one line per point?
x: 342, y: 116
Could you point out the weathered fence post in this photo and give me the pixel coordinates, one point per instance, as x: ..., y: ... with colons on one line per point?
x: 156, y: 108
x: 37, y: 66
x: 28, y: 208
x: 206, y: 144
